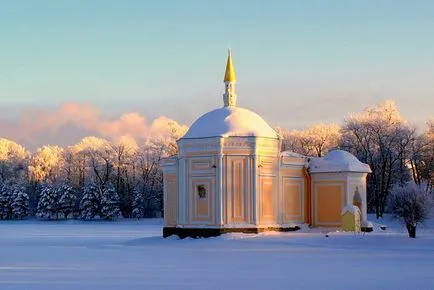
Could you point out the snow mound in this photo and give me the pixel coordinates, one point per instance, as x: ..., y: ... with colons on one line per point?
x: 230, y: 121
x: 338, y: 161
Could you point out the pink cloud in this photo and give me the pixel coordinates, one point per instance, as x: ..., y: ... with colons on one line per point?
x: 70, y: 122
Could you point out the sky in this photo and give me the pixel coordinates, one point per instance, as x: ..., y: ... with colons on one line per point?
x: 297, y: 62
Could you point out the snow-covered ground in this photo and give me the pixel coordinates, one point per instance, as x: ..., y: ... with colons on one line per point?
x: 133, y: 255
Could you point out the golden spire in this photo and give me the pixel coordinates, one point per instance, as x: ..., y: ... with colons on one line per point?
x: 229, y: 74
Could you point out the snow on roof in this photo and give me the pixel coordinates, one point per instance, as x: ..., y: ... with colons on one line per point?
x: 291, y: 154
x: 338, y: 161
x: 230, y: 121
x: 350, y: 208
x: 367, y: 224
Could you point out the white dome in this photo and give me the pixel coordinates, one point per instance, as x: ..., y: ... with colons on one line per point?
x: 230, y: 121
x: 338, y: 161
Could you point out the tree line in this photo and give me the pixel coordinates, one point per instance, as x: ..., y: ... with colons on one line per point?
x: 380, y: 137
x: 95, y: 178
x: 82, y: 180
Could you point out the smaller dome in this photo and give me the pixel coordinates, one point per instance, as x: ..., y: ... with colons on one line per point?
x: 338, y: 161
x: 229, y: 122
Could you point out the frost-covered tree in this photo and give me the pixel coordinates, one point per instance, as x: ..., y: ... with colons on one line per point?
x: 124, y: 164
x: 411, y: 203
x: 67, y: 201
x: 75, y: 168
x: 20, y: 203
x: 150, y: 178
x: 110, y: 203
x: 96, y: 156
x: 421, y: 161
x: 46, y: 163
x: 315, y: 140
x: 90, y: 203
x: 48, y: 205
x: 161, y: 142
x: 6, y: 194
x: 138, y: 201
x: 164, y: 133
x: 380, y: 137
x: 13, y: 161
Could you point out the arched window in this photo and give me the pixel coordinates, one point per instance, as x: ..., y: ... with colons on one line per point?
x: 357, y: 199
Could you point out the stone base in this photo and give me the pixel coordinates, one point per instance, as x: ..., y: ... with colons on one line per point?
x: 366, y: 229
x: 214, y: 232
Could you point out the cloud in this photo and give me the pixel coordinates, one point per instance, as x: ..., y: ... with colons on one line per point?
x: 70, y: 122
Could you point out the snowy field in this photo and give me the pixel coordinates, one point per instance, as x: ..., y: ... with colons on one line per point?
x: 133, y: 255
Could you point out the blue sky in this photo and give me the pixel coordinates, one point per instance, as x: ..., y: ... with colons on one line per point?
x: 297, y: 62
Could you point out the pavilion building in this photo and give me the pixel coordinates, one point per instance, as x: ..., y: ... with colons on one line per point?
x: 230, y: 175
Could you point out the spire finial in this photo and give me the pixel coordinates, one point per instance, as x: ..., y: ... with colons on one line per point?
x: 229, y: 97
x: 229, y: 73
